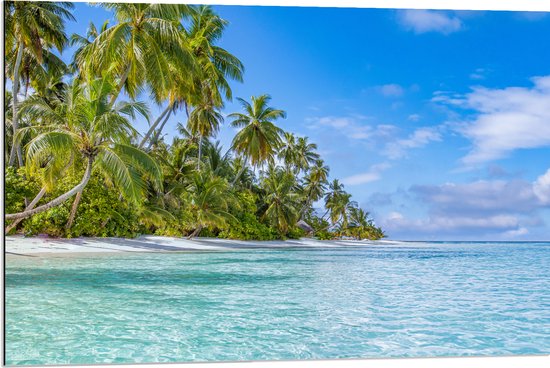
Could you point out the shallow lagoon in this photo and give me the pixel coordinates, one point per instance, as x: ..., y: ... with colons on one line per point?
x: 398, y: 300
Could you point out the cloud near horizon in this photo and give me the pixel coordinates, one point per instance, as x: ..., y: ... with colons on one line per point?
x: 504, y: 208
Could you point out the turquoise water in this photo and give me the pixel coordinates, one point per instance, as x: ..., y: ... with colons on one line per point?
x: 408, y: 300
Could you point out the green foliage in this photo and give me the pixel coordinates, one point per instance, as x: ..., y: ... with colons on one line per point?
x: 246, y: 225
x: 17, y: 188
x: 101, y: 213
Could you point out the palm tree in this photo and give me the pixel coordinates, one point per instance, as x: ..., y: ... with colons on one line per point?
x: 259, y: 139
x: 94, y: 135
x: 203, y: 121
x: 210, y: 200
x: 139, y: 48
x: 360, y: 225
x: 281, y: 198
x: 305, y: 154
x: 32, y: 28
x: 287, y: 152
x: 314, y: 184
x: 83, y: 44
x: 207, y: 85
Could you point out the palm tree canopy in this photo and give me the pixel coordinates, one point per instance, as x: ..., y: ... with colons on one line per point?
x: 259, y: 139
x: 140, y: 47
x: 85, y: 126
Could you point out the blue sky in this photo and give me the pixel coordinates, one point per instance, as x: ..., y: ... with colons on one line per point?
x: 438, y: 122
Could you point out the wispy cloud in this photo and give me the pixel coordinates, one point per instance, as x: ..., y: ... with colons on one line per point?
x: 419, y: 138
x: 391, y: 90
x: 355, y: 127
x: 423, y: 21
x: 374, y: 174
x: 505, y: 120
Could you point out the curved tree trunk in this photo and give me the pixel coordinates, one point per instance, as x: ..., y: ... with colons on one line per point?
x: 16, y: 148
x: 29, y: 207
x: 159, y: 130
x: 195, y: 233
x: 153, y: 127
x: 57, y: 201
x: 73, y: 210
x: 120, y: 84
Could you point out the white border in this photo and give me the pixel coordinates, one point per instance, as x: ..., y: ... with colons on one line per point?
x: 476, y: 362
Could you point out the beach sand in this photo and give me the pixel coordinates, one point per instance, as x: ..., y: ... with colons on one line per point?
x: 42, y: 246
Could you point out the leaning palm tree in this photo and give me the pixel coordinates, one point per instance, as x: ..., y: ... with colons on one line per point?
x: 282, y: 199
x: 139, y: 48
x: 91, y: 134
x: 31, y: 28
x: 259, y: 139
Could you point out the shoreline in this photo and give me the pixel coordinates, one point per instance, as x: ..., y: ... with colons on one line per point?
x: 43, y: 246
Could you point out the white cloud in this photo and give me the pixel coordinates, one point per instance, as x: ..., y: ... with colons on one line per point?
x: 422, y: 21
x: 419, y: 138
x: 479, y: 74
x: 516, y: 233
x: 353, y: 127
x: 392, y: 90
x: 450, y: 224
x: 506, y: 120
x: 541, y: 188
x: 498, y: 208
x: 374, y: 174
x: 413, y: 117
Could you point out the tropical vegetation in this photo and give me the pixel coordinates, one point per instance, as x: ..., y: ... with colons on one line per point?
x: 77, y: 166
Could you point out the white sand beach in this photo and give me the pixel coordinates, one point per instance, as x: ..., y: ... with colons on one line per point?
x: 18, y: 245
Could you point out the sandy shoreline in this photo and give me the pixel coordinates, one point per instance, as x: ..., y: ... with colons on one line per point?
x: 19, y: 246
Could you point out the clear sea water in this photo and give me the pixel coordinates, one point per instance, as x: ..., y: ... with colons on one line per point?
x: 405, y: 300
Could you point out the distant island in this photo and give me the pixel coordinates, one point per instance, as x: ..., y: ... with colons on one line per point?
x: 77, y: 167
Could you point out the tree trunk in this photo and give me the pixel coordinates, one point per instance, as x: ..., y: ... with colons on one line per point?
x: 159, y: 130
x: 239, y: 174
x: 196, y: 232
x: 29, y: 207
x: 16, y: 148
x: 57, y: 201
x: 73, y: 210
x: 152, y: 128
x: 120, y: 85
x: 200, y: 152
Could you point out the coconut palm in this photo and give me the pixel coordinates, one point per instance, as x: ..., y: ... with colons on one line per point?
x: 210, y: 199
x: 139, y: 49
x: 259, y: 139
x: 31, y: 29
x: 204, y: 120
x: 306, y: 154
x: 281, y: 198
x: 287, y: 152
x: 94, y: 135
x: 83, y: 43
x: 207, y: 86
x: 360, y: 225
x: 314, y: 184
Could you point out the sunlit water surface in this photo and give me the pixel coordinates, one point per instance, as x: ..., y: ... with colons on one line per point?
x: 404, y: 300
